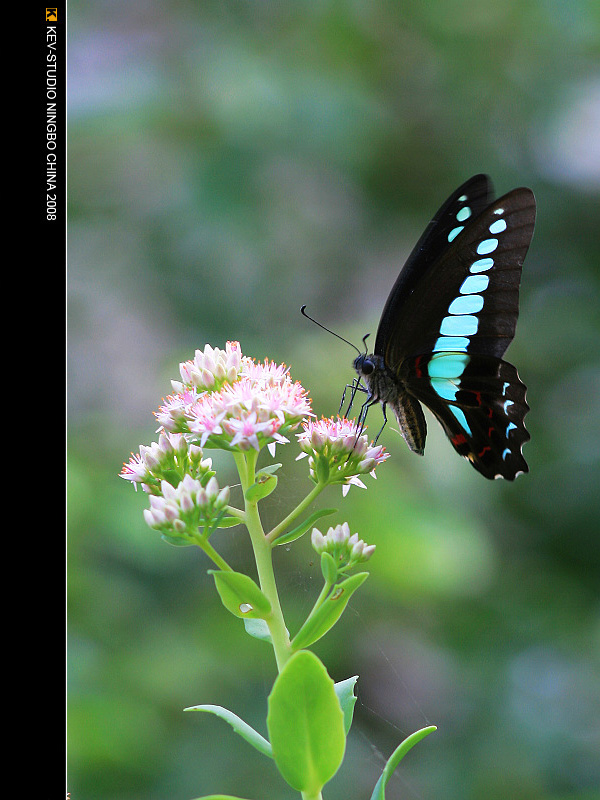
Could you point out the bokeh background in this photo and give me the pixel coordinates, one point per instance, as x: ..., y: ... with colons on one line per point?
x: 228, y: 161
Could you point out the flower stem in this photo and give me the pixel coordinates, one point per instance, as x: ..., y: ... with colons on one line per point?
x: 235, y: 512
x: 302, y: 506
x: 264, y: 564
x: 320, y: 599
x: 214, y: 556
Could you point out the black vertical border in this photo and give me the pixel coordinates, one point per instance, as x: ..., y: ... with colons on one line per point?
x: 44, y: 263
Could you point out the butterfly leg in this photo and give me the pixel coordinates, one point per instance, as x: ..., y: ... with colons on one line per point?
x: 348, y: 386
x: 362, y: 416
x: 356, y: 387
x: 384, y: 424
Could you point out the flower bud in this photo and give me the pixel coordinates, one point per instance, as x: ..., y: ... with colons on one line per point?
x: 212, y: 489
x: 318, y: 540
x: 222, y: 498
x: 346, y: 550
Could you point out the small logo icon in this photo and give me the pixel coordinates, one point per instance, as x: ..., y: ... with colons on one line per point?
x: 51, y: 14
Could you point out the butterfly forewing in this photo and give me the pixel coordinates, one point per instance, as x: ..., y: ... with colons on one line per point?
x: 468, y: 298
x: 493, y: 274
x: 465, y: 204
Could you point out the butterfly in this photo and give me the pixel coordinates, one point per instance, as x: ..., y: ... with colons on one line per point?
x: 446, y: 324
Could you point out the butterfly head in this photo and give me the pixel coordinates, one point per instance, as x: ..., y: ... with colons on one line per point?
x: 364, y: 364
x: 371, y: 368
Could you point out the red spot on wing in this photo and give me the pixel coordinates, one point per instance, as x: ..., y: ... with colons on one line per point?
x: 418, y: 370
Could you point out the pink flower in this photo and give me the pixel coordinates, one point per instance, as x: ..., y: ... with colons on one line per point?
x: 211, y: 368
x: 337, y: 454
x: 267, y: 374
x: 227, y: 400
x: 245, y: 430
x: 135, y: 471
x: 204, y: 418
x: 172, y: 457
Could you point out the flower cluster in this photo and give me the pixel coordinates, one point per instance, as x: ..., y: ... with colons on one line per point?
x: 179, y: 511
x: 346, y: 550
x: 337, y: 454
x: 211, y: 368
x: 228, y: 401
x: 169, y: 459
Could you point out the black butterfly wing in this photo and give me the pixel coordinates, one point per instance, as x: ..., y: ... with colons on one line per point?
x: 468, y: 298
x: 449, y: 319
x: 480, y: 402
x: 466, y: 203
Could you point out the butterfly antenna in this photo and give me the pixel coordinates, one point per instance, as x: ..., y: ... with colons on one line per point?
x: 303, y: 312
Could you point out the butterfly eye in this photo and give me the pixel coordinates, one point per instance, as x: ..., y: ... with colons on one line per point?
x: 367, y: 367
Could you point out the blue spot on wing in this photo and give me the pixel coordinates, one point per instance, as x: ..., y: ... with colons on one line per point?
x: 487, y: 246
x: 482, y: 264
x: 466, y: 304
x: 474, y: 284
x: 464, y: 325
x: 498, y: 226
x: 458, y: 413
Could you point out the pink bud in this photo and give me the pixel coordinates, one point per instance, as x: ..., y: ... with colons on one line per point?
x: 212, y: 488
x: 207, y: 378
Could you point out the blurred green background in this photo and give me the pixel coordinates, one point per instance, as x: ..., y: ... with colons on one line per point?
x: 229, y: 161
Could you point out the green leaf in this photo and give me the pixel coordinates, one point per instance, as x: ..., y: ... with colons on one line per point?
x: 258, y: 628
x: 176, y: 540
x: 270, y: 469
x: 328, y: 613
x: 301, y: 529
x: 347, y: 698
x: 306, y: 724
x: 219, y: 797
x: 396, y: 758
x: 229, y: 522
x: 239, y: 726
x: 261, y: 488
x: 329, y: 568
x: 240, y: 595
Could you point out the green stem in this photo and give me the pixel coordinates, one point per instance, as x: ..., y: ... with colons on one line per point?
x: 264, y: 563
x: 235, y: 512
x: 242, y: 470
x: 214, y: 556
x: 320, y: 599
x: 278, y: 529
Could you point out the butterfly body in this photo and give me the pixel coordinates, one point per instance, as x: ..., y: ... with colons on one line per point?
x: 387, y: 388
x: 446, y: 324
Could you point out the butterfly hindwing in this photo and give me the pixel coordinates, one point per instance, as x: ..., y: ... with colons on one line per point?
x: 480, y: 402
